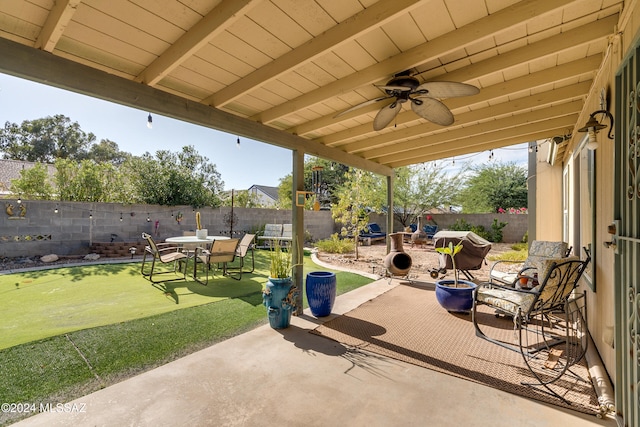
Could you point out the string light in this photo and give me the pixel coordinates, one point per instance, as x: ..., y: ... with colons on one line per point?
x: 149, y: 121
x: 238, y: 142
x: 148, y: 217
x: 120, y: 216
x: 19, y: 199
x: 90, y: 214
x: 56, y: 209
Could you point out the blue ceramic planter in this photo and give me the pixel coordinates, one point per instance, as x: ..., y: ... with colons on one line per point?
x: 278, y: 297
x: 321, y: 292
x: 455, y: 300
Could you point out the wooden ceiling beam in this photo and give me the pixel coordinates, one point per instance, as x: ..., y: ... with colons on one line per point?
x: 470, y: 142
x: 480, y: 147
x: 212, y: 24
x: 473, y: 32
x: 57, y: 21
x: 553, y: 45
x: 372, y: 17
x: 393, y: 142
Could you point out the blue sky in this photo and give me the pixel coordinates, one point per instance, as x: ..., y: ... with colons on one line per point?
x: 240, y: 167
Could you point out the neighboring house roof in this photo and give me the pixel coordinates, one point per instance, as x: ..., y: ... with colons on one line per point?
x: 10, y: 169
x: 270, y: 192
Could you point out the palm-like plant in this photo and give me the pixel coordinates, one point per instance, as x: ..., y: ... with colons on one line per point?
x: 452, y: 251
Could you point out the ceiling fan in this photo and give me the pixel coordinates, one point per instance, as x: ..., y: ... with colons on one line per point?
x: 424, y: 98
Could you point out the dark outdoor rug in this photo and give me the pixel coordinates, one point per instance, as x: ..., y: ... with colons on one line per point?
x: 407, y: 323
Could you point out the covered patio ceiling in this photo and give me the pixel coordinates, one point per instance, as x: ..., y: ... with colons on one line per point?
x: 279, y: 71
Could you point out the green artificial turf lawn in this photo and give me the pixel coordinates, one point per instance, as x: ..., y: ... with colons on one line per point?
x: 40, y: 304
x: 46, y: 303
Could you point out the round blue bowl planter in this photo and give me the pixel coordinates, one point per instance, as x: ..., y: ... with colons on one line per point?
x: 277, y: 297
x: 321, y: 292
x: 455, y: 300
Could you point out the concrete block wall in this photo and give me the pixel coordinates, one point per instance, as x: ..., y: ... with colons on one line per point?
x: 513, y: 232
x: 76, y: 226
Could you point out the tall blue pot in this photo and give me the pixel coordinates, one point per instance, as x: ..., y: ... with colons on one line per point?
x: 278, y: 297
x: 321, y: 292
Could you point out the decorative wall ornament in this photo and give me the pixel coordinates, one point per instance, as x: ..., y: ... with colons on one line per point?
x: 13, y: 213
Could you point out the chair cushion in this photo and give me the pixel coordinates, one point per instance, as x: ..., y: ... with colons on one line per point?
x: 374, y: 228
x: 541, y: 250
x: 503, y: 276
x: 506, y: 300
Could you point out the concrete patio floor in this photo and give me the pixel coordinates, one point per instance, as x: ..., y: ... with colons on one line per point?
x: 269, y: 377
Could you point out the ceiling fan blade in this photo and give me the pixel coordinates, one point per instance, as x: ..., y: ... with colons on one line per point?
x: 392, y: 88
x: 385, y: 115
x: 364, y: 104
x: 432, y: 110
x: 446, y: 89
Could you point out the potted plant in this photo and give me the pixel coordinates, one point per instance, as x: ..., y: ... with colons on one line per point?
x: 279, y: 294
x: 201, y: 233
x: 455, y: 296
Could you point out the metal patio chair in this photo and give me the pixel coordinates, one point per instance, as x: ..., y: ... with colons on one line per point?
x: 544, y: 316
x: 164, y: 253
x: 245, y: 246
x: 221, y: 252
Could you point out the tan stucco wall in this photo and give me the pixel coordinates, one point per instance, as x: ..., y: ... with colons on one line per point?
x: 548, y: 197
x: 601, y: 304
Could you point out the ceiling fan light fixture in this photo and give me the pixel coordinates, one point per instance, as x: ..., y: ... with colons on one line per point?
x: 425, y: 99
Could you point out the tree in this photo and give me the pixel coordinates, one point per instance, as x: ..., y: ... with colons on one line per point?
x: 34, y: 183
x: 107, y: 151
x: 333, y: 176
x: 88, y: 181
x: 45, y: 140
x: 417, y: 189
x: 241, y: 199
x: 185, y: 178
x: 362, y: 193
x: 491, y: 187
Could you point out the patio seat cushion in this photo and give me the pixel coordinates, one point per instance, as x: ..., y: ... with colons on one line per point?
x: 507, y: 300
x: 373, y: 231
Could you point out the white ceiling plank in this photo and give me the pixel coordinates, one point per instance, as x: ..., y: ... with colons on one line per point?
x: 336, y: 36
x: 442, y: 45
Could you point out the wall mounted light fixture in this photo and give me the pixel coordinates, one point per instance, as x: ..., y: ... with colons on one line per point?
x: 593, y: 126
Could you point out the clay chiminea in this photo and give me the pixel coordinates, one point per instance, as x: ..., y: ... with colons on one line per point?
x: 397, y: 262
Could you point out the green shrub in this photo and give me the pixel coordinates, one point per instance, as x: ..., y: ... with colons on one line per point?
x: 496, y: 227
x: 519, y: 246
x: 335, y: 245
x: 464, y: 225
